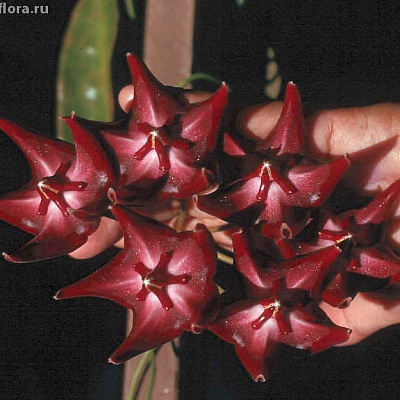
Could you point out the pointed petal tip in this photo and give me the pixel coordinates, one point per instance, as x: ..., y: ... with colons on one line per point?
x: 133, y: 61
x: 260, y: 378
x: 59, y: 295
x: 224, y: 87
x: 7, y: 257
x: 292, y: 95
x: 17, y: 260
x: 221, y: 95
x: 112, y: 196
x: 111, y: 360
x: 292, y: 87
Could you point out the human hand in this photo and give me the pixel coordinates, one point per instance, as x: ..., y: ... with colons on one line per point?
x: 369, y: 135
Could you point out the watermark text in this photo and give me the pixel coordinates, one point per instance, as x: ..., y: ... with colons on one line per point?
x: 10, y: 9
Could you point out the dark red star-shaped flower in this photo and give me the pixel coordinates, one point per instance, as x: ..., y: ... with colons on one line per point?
x: 281, y: 307
x: 163, y: 276
x: 278, y: 178
x: 67, y: 194
x: 361, y: 235
x: 164, y: 147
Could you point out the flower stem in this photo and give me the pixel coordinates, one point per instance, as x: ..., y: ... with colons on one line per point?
x: 199, y: 76
x: 152, y: 375
x: 139, y: 374
x: 182, y: 216
x: 224, y: 258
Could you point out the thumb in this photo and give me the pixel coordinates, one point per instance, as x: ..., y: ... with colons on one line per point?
x: 368, y: 135
x: 367, y: 313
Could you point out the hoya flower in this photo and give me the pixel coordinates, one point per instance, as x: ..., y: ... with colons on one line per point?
x: 280, y: 180
x: 164, y: 148
x: 164, y: 277
x: 361, y: 235
x: 281, y: 307
x: 63, y: 202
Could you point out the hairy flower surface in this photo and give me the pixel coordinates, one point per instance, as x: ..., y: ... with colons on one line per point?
x: 163, y: 276
x: 281, y: 307
x: 280, y: 178
x: 66, y: 196
x: 164, y: 148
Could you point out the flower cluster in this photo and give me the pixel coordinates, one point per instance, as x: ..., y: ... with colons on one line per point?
x: 268, y: 200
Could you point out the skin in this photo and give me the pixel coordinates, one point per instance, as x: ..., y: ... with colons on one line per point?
x: 349, y: 131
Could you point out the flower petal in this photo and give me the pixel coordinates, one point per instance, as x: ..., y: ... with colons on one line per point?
x: 315, y: 183
x: 151, y: 103
x: 377, y: 264
x: 288, y: 134
x: 377, y: 211
x: 200, y: 124
x: 44, y: 155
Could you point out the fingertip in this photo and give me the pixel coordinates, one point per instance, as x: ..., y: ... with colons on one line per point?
x: 197, y: 97
x: 321, y: 129
x: 258, y: 121
x: 107, y: 234
x: 125, y: 98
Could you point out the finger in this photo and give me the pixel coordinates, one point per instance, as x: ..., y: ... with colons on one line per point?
x: 367, y: 313
x: 106, y: 235
x: 354, y: 130
x: 125, y: 98
x: 258, y: 121
x: 197, y: 97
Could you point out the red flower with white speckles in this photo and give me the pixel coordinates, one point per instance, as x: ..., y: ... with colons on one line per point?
x: 164, y: 148
x: 361, y: 234
x: 281, y: 307
x: 281, y: 177
x: 164, y: 277
x: 63, y: 202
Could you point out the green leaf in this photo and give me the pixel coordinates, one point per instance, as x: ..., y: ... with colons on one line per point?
x: 130, y: 9
x: 199, y: 76
x: 84, y: 69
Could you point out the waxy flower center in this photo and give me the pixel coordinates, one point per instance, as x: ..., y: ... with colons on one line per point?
x: 364, y: 235
x: 157, y: 280
x: 51, y: 189
x: 269, y: 173
x: 158, y: 140
x: 335, y: 236
x: 273, y: 309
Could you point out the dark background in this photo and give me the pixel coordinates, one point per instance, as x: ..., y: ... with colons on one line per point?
x: 339, y: 53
